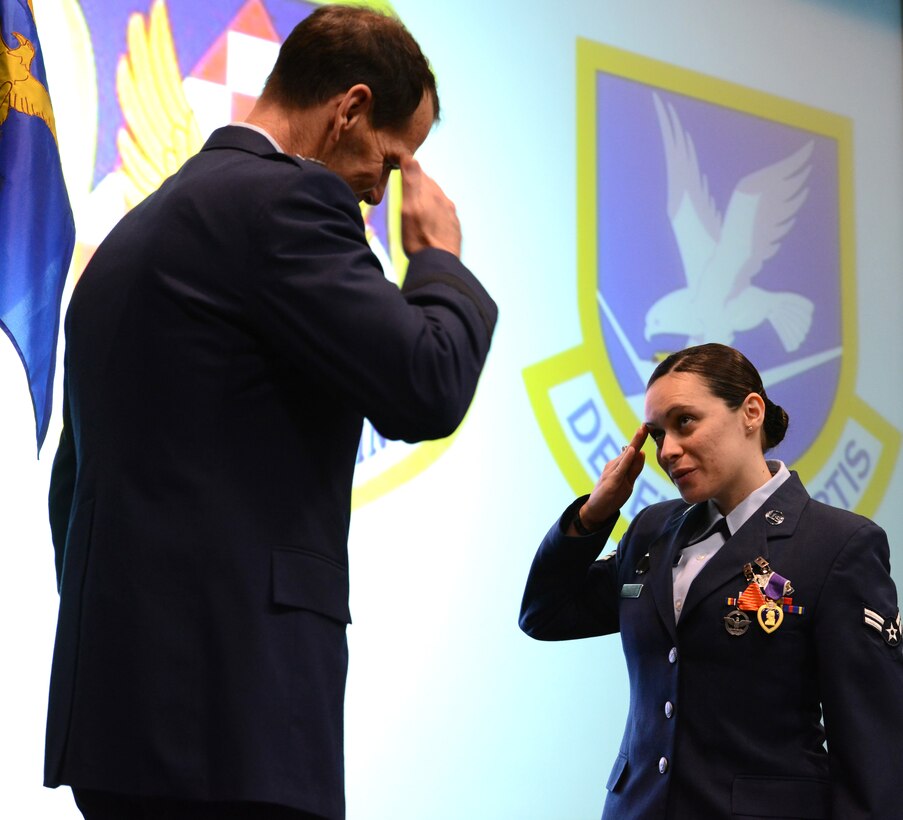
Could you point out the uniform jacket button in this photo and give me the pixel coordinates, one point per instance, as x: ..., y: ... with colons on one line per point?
x: 669, y: 709
x: 672, y: 655
x: 663, y: 765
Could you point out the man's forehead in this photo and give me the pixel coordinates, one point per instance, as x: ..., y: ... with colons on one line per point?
x: 417, y: 127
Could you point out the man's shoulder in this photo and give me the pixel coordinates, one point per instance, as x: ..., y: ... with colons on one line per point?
x: 240, y: 166
x: 239, y: 138
x: 251, y: 149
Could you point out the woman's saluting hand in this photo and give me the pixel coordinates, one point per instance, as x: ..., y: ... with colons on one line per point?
x: 614, y: 485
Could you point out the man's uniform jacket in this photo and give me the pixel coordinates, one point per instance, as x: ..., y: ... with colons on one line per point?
x: 724, y: 725
x: 223, y: 347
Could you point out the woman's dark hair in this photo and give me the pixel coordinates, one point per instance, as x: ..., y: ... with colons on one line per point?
x: 731, y: 377
x: 336, y: 47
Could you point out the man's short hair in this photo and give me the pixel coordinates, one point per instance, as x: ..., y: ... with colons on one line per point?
x: 336, y: 47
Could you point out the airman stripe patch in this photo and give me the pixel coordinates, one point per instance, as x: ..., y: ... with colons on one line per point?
x: 889, y: 629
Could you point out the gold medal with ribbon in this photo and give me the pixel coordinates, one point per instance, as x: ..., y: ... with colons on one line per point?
x: 770, y: 616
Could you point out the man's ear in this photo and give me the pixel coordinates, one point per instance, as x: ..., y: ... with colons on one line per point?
x: 352, y: 108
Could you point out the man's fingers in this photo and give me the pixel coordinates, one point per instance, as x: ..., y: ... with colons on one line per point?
x: 411, y: 172
x: 408, y: 164
x: 428, y: 218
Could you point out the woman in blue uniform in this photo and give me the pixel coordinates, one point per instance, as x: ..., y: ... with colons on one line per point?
x: 760, y: 627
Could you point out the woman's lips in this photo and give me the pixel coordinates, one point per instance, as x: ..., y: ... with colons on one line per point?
x: 680, y: 473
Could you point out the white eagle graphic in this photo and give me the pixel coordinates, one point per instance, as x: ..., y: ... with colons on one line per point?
x: 722, y: 255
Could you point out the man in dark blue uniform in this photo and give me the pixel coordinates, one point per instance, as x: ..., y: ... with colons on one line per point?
x: 223, y: 347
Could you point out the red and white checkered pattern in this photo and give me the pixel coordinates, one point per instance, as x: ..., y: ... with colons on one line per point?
x: 224, y: 85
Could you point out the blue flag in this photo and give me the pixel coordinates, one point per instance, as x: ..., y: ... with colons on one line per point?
x: 37, y: 232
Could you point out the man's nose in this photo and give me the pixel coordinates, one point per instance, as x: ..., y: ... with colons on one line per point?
x: 375, y: 195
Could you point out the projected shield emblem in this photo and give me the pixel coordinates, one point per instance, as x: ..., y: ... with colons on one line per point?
x: 730, y: 234
x: 710, y: 212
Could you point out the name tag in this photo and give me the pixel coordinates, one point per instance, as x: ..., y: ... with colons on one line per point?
x: 631, y: 590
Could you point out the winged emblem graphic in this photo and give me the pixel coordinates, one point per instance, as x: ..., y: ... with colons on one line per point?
x: 722, y: 254
x: 19, y: 90
x: 161, y: 129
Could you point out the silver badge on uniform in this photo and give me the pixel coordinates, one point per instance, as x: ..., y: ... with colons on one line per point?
x: 736, y: 622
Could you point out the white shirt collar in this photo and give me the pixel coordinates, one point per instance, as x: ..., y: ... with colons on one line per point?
x: 738, y: 516
x: 262, y: 132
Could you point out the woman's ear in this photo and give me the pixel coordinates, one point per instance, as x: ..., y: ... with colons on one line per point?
x: 753, y: 409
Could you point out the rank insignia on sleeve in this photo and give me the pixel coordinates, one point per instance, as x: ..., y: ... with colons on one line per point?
x: 889, y: 628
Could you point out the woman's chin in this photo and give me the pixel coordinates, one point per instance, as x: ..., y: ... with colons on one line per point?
x: 689, y: 493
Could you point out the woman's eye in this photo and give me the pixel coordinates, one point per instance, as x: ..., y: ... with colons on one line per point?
x: 685, y: 420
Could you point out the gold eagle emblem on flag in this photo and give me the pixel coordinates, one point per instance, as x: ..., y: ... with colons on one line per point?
x: 19, y: 90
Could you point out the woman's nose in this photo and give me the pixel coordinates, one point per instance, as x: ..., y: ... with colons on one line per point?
x: 668, y: 449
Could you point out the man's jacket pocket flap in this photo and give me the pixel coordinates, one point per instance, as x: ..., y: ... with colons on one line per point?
x: 617, y: 772
x: 305, y: 580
